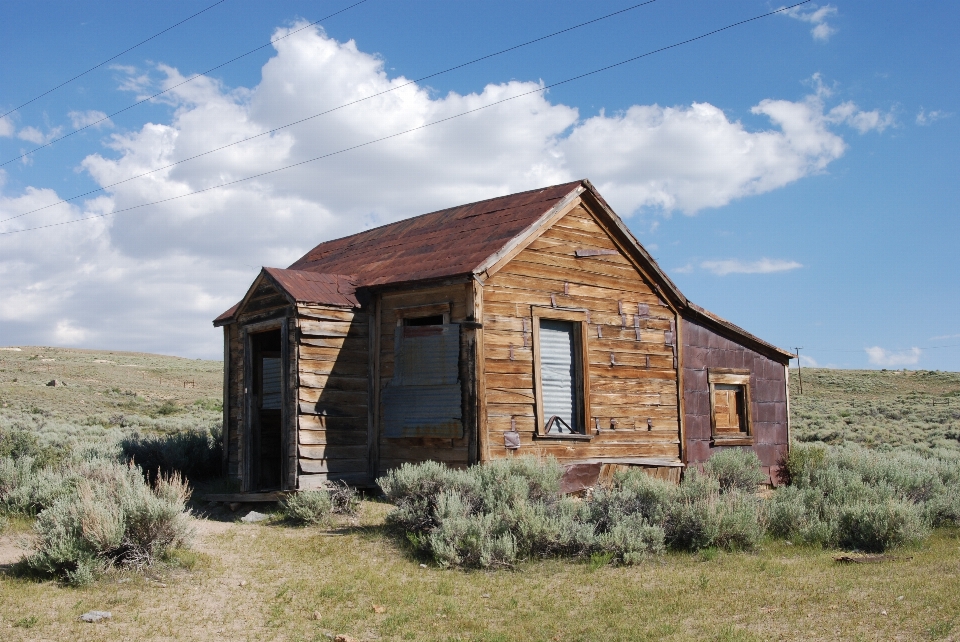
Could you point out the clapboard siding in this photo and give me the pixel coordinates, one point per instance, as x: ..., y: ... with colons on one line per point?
x: 332, y: 395
x: 631, y: 370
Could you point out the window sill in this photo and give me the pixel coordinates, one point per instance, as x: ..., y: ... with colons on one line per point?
x: 565, y: 437
x: 732, y: 441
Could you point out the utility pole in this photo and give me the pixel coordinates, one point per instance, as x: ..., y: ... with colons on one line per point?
x: 799, y: 373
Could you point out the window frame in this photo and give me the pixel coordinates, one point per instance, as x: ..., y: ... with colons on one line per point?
x: 730, y: 377
x: 420, y: 311
x: 581, y: 339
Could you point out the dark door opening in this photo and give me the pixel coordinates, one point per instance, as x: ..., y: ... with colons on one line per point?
x: 266, y: 455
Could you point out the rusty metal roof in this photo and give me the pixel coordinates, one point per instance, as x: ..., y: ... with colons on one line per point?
x: 441, y: 244
x: 316, y: 287
x: 453, y: 242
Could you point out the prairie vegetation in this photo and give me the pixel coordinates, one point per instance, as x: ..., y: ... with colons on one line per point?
x: 709, y: 559
x: 917, y: 410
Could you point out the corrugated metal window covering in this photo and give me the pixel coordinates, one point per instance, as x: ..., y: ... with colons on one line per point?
x: 423, y: 398
x: 558, y: 375
x: 270, y: 383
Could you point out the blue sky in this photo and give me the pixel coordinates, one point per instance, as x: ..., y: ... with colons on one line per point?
x: 796, y: 175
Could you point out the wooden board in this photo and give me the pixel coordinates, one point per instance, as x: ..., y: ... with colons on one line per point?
x: 641, y: 384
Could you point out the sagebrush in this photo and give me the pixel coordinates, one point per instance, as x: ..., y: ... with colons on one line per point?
x: 112, y: 517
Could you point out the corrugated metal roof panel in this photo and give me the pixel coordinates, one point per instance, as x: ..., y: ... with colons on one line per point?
x: 450, y: 242
x: 314, y: 287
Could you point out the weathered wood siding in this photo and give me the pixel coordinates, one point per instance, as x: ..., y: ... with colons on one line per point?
x: 632, y: 372
x: 233, y: 399
x: 705, y: 348
x: 332, y: 358
x: 392, y: 452
x: 265, y: 304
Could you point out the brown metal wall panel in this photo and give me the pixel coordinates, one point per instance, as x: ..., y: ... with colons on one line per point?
x: 704, y: 348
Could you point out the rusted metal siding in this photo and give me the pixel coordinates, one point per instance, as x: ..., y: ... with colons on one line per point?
x: 705, y: 348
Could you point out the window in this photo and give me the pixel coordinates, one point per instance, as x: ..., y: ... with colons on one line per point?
x: 270, y: 383
x: 423, y: 398
x: 730, y: 406
x: 422, y: 321
x: 559, y: 342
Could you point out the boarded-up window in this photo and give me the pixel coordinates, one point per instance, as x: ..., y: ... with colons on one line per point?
x: 560, y: 376
x: 270, y: 384
x: 730, y: 404
x: 728, y: 409
x: 423, y: 399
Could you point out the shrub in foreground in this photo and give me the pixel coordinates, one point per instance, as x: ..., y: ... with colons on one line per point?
x: 851, y: 497
x: 507, y: 510
x: 308, y: 507
x: 317, y: 507
x: 111, y: 518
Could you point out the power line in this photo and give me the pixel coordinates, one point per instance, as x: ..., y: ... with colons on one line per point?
x: 129, y: 49
x: 419, y: 127
x: 160, y: 93
x: 323, y: 113
x: 956, y: 345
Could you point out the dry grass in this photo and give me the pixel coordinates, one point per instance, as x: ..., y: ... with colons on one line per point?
x: 255, y: 582
x: 914, y: 409
x: 107, y: 395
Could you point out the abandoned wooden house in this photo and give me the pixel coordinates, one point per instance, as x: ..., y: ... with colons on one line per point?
x: 533, y: 323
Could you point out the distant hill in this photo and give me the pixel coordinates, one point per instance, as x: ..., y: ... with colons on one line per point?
x: 106, y: 393
x: 916, y: 409
x: 112, y: 392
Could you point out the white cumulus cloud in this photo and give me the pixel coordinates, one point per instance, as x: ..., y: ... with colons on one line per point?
x: 880, y: 357
x: 7, y: 128
x: 736, y: 266
x: 152, y: 278
x: 817, y: 16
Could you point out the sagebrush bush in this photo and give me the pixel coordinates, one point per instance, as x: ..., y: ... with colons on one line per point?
x: 111, y: 518
x: 194, y: 453
x: 308, y: 507
x: 851, y: 497
x: 27, y: 488
x: 736, y: 469
x: 16, y: 444
x: 507, y: 510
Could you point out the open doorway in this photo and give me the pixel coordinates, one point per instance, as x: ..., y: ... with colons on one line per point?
x: 266, y: 454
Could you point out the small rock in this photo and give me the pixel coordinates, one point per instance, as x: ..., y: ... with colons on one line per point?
x: 161, y: 585
x: 884, y: 612
x: 95, y: 616
x: 379, y: 609
x: 243, y: 582
x: 253, y: 517
x: 423, y: 566
x: 342, y: 637
x: 316, y: 615
x: 899, y: 598
x: 485, y: 596
x: 56, y: 383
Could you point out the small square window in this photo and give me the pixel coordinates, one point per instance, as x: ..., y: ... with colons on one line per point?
x: 730, y: 406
